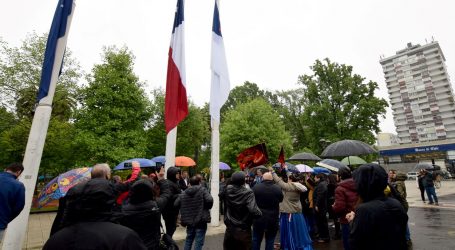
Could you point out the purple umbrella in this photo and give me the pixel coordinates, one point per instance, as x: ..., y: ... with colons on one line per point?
x: 224, y: 166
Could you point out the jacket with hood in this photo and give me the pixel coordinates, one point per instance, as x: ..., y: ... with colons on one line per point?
x: 291, y: 192
x: 320, y: 196
x: 195, y: 204
x: 171, y: 189
x: 142, y: 214
x: 345, y: 199
x: 401, y: 189
x: 268, y: 197
x: 240, y: 204
x: 379, y: 222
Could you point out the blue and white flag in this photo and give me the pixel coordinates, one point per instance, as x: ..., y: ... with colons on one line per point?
x: 57, y: 38
x: 220, y: 87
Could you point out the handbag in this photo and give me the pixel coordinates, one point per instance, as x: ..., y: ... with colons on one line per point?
x: 166, y: 241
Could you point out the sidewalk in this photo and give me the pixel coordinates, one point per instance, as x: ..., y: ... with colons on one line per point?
x: 39, y: 225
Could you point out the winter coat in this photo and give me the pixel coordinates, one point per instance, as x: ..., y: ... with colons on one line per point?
x: 240, y: 206
x: 320, y: 196
x: 95, y: 235
x: 379, y: 224
x: 428, y: 180
x: 169, y: 187
x: 145, y: 219
x: 291, y: 195
x: 346, y: 198
x: 400, y: 187
x: 268, y: 197
x: 12, y: 198
x: 195, y: 204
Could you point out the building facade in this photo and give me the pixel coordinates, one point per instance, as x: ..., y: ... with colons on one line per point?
x: 420, y: 93
x: 387, y: 139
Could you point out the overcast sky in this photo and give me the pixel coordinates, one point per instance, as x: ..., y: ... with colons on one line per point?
x: 267, y: 42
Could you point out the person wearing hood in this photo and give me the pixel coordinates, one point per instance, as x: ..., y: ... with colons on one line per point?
x: 346, y: 198
x: 170, y: 188
x: 239, y: 211
x: 378, y: 222
x: 320, y: 198
x: 195, y: 204
x: 142, y: 213
x: 293, y: 228
x: 89, y: 208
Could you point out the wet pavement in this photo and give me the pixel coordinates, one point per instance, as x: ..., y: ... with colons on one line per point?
x: 432, y: 227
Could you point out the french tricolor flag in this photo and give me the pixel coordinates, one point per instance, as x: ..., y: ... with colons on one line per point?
x: 176, y: 104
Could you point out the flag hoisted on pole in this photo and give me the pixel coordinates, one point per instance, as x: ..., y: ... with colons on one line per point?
x: 176, y: 104
x: 219, y: 93
x: 52, y: 65
x: 281, y: 158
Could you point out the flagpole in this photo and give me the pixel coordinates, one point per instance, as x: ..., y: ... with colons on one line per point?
x: 215, y: 174
x: 171, y: 142
x: 16, y: 230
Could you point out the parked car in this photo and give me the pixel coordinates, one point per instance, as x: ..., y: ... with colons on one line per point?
x: 411, y: 175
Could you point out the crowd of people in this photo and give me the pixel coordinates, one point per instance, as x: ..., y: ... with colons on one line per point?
x: 368, y: 208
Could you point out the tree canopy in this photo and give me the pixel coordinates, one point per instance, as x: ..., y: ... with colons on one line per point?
x: 339, y: 105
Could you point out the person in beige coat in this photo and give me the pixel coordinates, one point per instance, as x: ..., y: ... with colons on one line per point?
x: 293, y: 228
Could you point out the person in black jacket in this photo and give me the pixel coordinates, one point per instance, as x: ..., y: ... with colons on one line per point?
x: 142, y: 213
x: 268, y: 196
x: 195, y: 203
x: 320, y: 207
x: 171, y: 187
x: 89, y: 205
x: 378, y: 222
x: 240, y: 210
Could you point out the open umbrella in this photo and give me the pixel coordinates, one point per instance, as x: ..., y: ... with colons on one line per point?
x: 304, y: 168
x: 353, y: 160
x: 347, y: 148
x: 59, y: 186
x: 278, y: 165
x: 319, y: 170
x: 184, y: 161
x: 144, y: 163
x: 333, y: 165
x: 304, y: 156
x: 427, y: 166
x: 224, y: 166
x: 161, y: 159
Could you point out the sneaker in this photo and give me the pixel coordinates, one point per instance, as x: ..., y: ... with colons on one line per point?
x: 436, y: 204
x: 430, y: 203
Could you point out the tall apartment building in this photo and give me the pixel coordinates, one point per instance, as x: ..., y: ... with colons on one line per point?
x: 420, y: 93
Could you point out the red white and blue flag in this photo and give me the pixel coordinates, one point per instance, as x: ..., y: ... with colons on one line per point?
x: 220, y: 86
x: 176, y: 104
x: 57, y: 38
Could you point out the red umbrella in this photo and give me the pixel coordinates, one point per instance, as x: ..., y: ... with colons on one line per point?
x: 184, y: 161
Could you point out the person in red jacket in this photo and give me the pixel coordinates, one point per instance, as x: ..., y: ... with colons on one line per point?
x: 345, y: 200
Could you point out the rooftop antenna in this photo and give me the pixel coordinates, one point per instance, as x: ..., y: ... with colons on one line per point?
x: 426, y: 42
x: 432, y: 38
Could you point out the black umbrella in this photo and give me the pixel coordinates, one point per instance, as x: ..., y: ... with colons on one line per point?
x: 427, y: 166
x: 347, y: 148
x: 304, y: 156
x: 333, y: 165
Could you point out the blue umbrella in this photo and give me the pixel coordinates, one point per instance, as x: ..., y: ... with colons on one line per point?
x: 224, y: 166
x: 161, y: 159
x: 142, y: 161
x: 320, y: 170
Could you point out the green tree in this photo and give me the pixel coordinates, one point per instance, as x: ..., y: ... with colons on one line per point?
x: 115, y: 111
x: 20, y: 74
x: 339, y: 105
x: 249, y: 124
x: 242, y: 94
x: 192, y: 132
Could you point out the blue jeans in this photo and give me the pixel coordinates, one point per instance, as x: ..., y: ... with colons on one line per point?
x: 345, y: 231
x: 196, y: 234
x: 2, y: 231
x: 269, y: 238
x: 431, y: 193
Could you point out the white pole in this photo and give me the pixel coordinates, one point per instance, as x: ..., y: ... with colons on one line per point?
x: 215, y: 174
x: 171, y: 142
x: 16, y: 230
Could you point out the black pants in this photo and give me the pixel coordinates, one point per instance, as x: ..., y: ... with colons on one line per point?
x: 237, y: 239
x: 422, y: 193
x: 323, y: 225
x: 170, y: 220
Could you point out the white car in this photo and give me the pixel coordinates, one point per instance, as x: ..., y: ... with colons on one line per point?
x: 411, y: 175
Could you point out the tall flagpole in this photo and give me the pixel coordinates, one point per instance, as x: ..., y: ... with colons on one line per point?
x: 16, y: 230
x: 215, y: 174
x: 171, y: 141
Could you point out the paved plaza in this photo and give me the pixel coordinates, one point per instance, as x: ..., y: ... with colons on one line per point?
x: 40, y: 224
